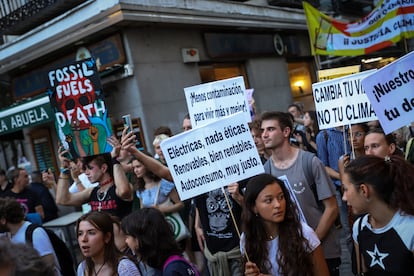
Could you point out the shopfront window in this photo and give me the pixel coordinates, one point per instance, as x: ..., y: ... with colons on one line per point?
x: 301, y: 78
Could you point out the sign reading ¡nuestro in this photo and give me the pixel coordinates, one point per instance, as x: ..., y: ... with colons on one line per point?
x: 391, y: 92
x: 81, y: 117
x: 210, y: 101
x: 388, y: 23
x: 212, y: 156
x: 342, y: 101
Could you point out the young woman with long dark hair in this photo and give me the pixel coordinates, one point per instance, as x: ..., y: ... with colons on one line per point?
x: 274, y: 240
x: 97, y: 245
x: 149, y: 235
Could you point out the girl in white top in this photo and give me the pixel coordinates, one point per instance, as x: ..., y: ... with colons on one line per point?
x: 274, y: 241
x: 96, y: 242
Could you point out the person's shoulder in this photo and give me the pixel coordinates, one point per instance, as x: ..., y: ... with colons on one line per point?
x: 179, y: 267
x: 9, y: 193
x: 166, y: 182
x: 127, y: 267
x: 404, y: 218
x: 38, y: 188
x: 40, y: 234
x: 81, y: 268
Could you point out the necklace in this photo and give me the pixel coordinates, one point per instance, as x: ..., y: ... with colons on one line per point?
x: 103, y: 183
x: 99, y: 270
x: 101, y: 196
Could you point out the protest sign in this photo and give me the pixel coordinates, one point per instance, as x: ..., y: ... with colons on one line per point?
x: 342, y: 101
x: 210, y: 157
x: 293, y: 197
x: 81, y: 117
x: 388, y: 23
x: 210, y: 101
x: 391, y: 92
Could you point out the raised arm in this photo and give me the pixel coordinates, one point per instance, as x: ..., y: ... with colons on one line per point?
x: 122, y: 187
x: 128, y: 143
x: 63, y: 196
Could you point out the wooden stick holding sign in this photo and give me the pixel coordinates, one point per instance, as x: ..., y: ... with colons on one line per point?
x: 233, y: 219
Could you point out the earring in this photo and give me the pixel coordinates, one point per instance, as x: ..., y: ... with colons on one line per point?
x: 257, y: 214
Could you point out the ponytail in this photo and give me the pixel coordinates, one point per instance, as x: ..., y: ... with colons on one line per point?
x: 391, y: 177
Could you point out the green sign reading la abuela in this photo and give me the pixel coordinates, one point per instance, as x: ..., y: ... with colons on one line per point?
x: 29, y: 114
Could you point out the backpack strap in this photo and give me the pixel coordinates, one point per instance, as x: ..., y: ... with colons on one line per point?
x: 267, y: 166
x: 359, y: 248
x: 29, y: 233
x: 307, y: 158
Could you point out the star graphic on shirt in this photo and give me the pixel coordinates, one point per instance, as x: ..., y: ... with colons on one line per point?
x: 377, y: 257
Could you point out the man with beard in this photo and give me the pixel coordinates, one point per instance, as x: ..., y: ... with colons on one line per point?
x: 23, y: 194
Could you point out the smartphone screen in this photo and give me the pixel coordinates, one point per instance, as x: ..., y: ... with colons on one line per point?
x: 127, y: 121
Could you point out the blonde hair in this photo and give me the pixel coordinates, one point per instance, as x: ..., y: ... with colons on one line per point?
x: 159, y: 138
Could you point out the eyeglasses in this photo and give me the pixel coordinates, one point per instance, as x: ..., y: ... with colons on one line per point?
x: 356, y: 134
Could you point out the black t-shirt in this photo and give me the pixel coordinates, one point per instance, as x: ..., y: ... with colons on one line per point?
x: 27, y: 198
x: 385, y: 253
x: 110, y: 203
x: 8, y: 187
x: 219, y: 230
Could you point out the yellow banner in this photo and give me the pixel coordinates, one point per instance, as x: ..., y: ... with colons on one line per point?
x: 387, y: 24
x: 333, y: 73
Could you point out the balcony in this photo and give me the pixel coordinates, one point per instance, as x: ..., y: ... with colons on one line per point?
x: 20, y: 16
x: 292, y: 3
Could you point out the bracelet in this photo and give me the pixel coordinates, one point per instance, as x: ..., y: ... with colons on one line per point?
x: 63, y: 176
x: 64, y: 170
x: 115, y: 161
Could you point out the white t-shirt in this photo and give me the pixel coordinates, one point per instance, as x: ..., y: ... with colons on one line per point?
x: 41, y: 242
x: 273, y: 247
x: 83, y: 178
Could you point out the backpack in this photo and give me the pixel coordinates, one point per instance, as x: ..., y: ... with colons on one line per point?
x: 307, y: 161
x: 179, y: 258
x: 63, y: 254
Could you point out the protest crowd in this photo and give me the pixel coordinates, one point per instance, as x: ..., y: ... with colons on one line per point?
x: 326, y: 190
x: 360, y: 187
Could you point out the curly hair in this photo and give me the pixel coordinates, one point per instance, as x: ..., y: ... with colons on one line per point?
x: 294, y: 256
x: 154, y: 235
x: 102, y: 222
x: 23, y: 260
x: 392, y: 179
x: 11, y: 210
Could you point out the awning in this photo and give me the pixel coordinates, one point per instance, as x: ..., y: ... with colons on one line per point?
x: 32, y: 112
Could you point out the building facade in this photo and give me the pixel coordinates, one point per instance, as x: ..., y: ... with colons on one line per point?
x: 147, y: 52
